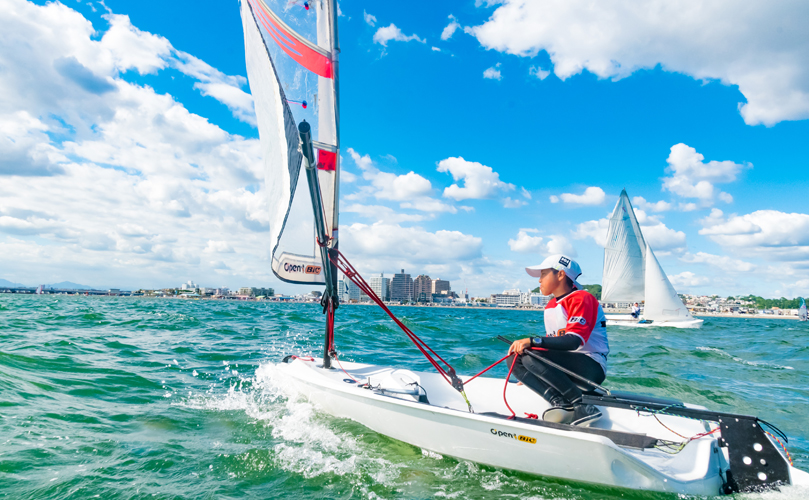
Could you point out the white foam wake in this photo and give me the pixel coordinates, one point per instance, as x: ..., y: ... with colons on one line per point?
x: 304, y: 441
x: 744, y: 361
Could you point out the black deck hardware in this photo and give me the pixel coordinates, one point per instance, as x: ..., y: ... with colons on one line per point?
x: 755, y: 462
x: 626, y: 439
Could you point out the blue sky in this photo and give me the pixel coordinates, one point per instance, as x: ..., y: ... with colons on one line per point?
x: 131, y: 157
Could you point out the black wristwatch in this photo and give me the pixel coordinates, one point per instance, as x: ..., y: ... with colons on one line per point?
x: 536, y: 341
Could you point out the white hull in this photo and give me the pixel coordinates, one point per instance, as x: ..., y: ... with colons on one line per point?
x: 628, y: 320
x: 446, y: 427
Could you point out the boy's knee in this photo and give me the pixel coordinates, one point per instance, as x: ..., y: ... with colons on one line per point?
x: 533, y: 365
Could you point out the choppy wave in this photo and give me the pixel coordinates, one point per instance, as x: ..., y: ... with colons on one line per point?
x: 136, y: 398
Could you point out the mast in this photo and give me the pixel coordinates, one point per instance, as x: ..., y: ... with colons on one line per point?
x: 330, y: 300
x: 290, y: 53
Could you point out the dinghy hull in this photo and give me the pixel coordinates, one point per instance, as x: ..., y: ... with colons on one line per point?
x: 445, y: 427
x: 629, y: 321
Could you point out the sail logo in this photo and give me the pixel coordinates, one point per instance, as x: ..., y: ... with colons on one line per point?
x: 300, y: 268
x: 518, y: 437
x: 293, y: 268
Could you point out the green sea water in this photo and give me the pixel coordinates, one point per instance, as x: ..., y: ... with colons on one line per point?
x: 158, y: 398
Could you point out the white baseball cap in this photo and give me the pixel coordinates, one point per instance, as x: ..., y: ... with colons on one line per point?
x: 558, y: 262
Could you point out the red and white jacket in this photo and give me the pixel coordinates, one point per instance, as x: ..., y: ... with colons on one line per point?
x: 579, y: 313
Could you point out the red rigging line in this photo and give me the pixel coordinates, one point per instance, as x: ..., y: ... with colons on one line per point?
x: 351, y: 273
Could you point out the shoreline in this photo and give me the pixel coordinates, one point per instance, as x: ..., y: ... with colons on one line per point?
x: 484, y: 308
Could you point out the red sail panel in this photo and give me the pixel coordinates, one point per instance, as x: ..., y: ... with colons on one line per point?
x: 291, y: 43
x: 326, y: 160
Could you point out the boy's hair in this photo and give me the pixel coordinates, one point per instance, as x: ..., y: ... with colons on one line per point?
x: 567, y: 279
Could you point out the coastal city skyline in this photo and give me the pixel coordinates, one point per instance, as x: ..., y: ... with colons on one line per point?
x: 519, y: 152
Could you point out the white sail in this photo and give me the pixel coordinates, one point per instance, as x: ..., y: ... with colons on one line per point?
x: 662, y: 301
x: 624, y: 256
x: 290, y: 68
x: 802, y: 311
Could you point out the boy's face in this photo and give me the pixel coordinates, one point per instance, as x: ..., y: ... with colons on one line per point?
x: 550, y: 281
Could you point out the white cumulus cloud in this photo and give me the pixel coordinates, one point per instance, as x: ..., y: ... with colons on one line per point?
x: 493, y: 73
x: 369, y: 19
x: 389, y: 186
x: 509, y: 202
x: 526, y: 243
x: 660, y: 206
x: 687, y: 279
x: 386, y: 246
x: 769, y: 234
x: 479, y: 181
x: 106, y: 181
x: 539, y: 72
x: 591, y: 196
x: 449, y: 29
x: 388, y: 33
x: 762, y: 48
x: 719, y: 262
x: 692, y: 177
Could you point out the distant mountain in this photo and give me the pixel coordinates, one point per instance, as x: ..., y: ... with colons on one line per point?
x: 9, y: 284
x: 70, y: 286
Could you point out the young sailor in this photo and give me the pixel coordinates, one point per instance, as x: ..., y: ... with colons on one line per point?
x: 635, y: 310
x: 575, y: 338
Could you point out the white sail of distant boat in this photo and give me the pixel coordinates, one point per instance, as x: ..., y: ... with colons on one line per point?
x: 292, y: 72
x: 39, y: 290
x: 802, y: 311
x: 632, y: 273
x: 624, y: 256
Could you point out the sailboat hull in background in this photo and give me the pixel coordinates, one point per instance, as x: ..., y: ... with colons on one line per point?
x: 628, y: 321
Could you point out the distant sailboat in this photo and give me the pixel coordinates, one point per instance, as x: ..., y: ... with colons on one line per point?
x: 39, y: 290
x: 633, y: 274
x: 802, y: 311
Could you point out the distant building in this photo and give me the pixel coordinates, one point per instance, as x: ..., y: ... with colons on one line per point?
x: 252, y: 291
x: 509, y: 298
x: 423, y: 288
x: 342, y: 291
x: 380, y: 285
x: 353, y: 292
x: 440, y: 285
x: 537, y: 299
x: 189, y: 285
x: 401, y: 287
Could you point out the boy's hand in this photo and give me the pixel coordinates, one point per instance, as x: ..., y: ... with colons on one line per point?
x: 519, y: 346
